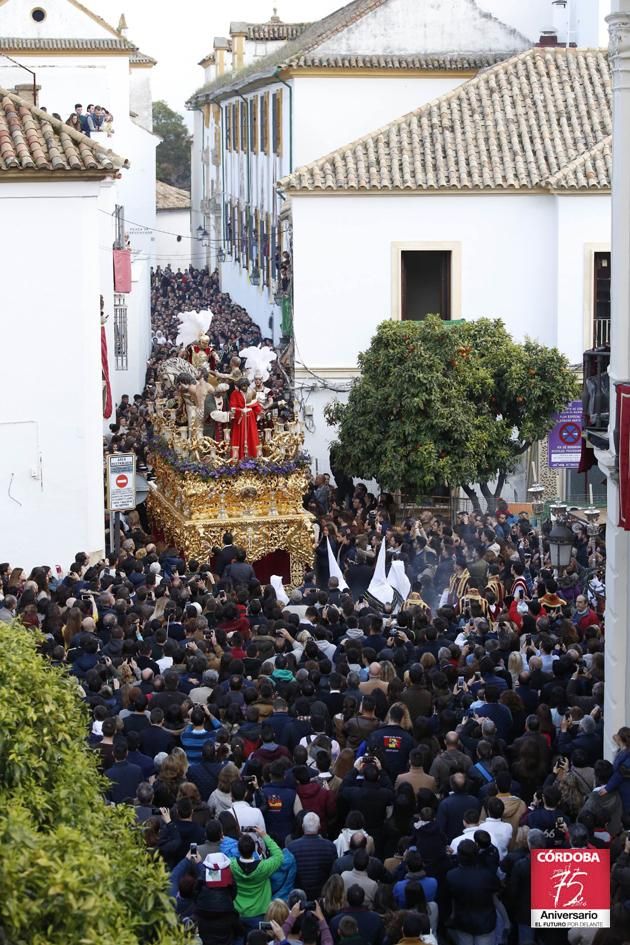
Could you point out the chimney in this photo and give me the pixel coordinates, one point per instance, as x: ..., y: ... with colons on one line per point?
x: 238, y: 35
x: 559, y: 19
x: 548, y: 38
x: 221, y: 46
x: 28, y: 92
x: 122, y: 25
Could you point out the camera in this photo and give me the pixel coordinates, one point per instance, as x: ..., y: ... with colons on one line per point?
x: 309, y: 905
x: 193, y: 849
x: 265, y: 927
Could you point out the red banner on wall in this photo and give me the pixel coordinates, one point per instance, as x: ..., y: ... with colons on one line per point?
x: 122, y: 270
x: 107, y: 388
x: 623, y: 426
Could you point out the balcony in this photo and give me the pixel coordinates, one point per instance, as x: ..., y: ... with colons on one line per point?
x: 596, y: 392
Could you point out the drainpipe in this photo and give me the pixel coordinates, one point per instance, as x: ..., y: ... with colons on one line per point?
x: 276, y: 75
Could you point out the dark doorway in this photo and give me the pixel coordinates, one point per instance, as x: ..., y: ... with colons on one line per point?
x: 425, y: 284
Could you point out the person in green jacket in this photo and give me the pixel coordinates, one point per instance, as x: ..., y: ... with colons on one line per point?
x: 253, y: 888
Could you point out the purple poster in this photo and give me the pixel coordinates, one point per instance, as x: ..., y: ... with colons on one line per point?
x: 565, y: 438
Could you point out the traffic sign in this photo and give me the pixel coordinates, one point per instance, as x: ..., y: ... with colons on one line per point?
x: 121, y: 482
x: 570, y: 433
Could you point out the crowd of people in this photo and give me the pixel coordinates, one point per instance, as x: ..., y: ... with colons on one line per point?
x: 96, y: 118
x: 331, y: 770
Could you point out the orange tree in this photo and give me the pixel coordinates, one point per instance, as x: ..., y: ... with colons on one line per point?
x: 453, y: 403
x: 73, y: 871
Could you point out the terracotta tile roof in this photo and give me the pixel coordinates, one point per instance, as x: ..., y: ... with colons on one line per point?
x: 457, y: 61
x: 593, y: 169
x: 63, y: 43
x: 170, y: 198
x: 275, y: 31
x: 33, y: 141
x: 528, y: 121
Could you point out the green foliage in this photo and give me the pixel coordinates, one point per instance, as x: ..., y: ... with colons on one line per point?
x: 73, y: 871
x: 173, y: 153
x: 452, y: 403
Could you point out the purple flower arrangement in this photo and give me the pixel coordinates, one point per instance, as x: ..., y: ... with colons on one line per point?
x: 249, y: 465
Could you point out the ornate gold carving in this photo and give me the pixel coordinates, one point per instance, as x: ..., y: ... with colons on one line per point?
x: 263, y: 510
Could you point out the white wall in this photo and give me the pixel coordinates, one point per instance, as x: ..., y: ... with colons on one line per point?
x: 167, y: 249
x: 581, y: 220
x: 343, y: 270
x: 62, y: 19
x: 522, y: 260
x: 67, y: 79
x: 50, y: 383
x: 331, y: 111
x: 197, y: 185
x: 136, y: 187
x: 408, y: 26
x: 140, y: 95
x: 254, y: 299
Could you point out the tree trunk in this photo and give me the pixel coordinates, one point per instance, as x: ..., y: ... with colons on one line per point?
x: 492, y: 497
x: 474, y: 498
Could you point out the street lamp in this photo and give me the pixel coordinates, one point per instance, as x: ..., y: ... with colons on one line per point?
x: 592, y: 529
x: 255, y: 277
x: 561, y: 540
x: 538, y: 506
x: 558, y: 509
x: 221, y: 255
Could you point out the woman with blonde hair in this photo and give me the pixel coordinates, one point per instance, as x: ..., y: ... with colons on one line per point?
x: 515, y: 666
x: 388, y: 671
x: 405, y: 722
x: 333, y: 897
x: 278, y: 911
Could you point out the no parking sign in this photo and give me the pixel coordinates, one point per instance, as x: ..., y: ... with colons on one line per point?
x: 121, y: 482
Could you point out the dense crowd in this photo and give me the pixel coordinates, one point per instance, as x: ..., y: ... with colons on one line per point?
x: 331, y: 769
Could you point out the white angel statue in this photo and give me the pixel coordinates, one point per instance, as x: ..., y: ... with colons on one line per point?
x: 193, y: 334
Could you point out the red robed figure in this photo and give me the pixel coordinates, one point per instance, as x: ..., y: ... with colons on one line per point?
x: 244, y: 429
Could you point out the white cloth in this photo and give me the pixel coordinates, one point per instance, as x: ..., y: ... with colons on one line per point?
x: 379, y: 587
x: 468, y: 834
x: 334, y: 569
x: 500, y: 833
x: 276, y: 582
x: 247, y: 816
x: 397, y: 578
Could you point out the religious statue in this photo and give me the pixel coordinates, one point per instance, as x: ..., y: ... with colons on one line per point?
x: 245, y: 441
x: 187, y: 387
x: 193, y: 336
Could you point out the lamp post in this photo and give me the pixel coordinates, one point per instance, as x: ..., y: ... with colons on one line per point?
x: 561, y: 538
x: 592, y: 530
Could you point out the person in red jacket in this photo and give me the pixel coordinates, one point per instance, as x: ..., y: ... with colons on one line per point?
x: 584, y: 616
x: 315, y: 797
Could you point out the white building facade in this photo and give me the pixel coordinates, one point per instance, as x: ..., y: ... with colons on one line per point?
x: 336, y: 79
x: 77, y: 57
x: 51, y: 463
x: 172, y: 236
x: 426, y: 216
